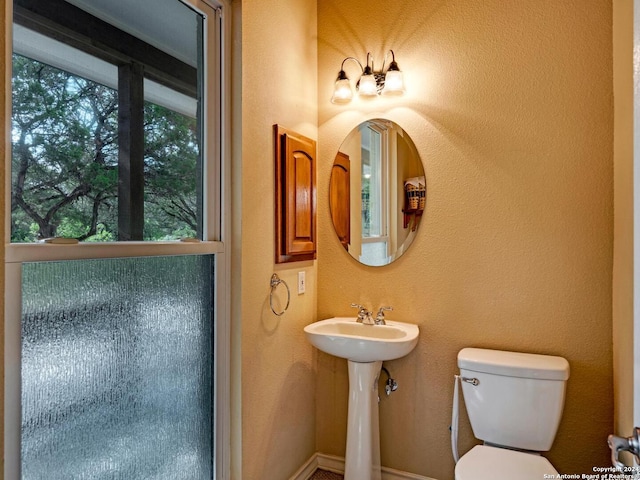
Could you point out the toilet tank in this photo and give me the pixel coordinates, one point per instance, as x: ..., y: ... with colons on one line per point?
x: 518, y: 399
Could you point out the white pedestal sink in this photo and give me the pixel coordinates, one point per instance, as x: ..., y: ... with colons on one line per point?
x: 365, y: 347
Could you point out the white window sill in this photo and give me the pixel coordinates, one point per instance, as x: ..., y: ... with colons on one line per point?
x: 43, y: 252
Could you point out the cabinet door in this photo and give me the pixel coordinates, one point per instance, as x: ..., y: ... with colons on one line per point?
x: 295, y: 197
x: 340, y: 198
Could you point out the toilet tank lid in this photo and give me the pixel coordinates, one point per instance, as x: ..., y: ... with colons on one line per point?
x: 514, y: 364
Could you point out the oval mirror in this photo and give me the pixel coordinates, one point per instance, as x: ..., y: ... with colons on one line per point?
x: 377, y: 192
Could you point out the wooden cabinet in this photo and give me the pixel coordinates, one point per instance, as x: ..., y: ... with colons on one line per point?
x: 295, y: 205
x: 340, y: 198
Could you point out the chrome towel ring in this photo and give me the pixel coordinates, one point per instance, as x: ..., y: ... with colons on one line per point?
x: 275, y: 281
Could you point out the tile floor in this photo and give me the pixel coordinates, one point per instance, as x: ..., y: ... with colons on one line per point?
x: 324, y: 475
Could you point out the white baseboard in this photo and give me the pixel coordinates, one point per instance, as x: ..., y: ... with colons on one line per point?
x: 335, y: 464
x: 330, y: 462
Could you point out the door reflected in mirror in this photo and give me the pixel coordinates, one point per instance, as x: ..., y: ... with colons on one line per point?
x: 377, y: 192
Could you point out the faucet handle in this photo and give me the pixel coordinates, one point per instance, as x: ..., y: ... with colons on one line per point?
x: 380, y: 315
x: 362, y: 312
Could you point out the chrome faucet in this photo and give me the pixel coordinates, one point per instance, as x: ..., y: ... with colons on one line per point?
x: 380, y: 315
x: 364, y: 316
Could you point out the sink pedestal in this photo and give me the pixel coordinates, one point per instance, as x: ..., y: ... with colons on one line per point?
x: 365, y: 347
x: 362, y: 460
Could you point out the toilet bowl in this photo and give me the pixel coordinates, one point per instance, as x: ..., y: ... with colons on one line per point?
x: 514, y: 402
x: 492, y: 463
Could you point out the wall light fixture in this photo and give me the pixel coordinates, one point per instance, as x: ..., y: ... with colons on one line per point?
x: 371, y: 83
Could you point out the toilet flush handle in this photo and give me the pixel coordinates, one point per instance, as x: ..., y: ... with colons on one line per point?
x: 628, y: 444
x: 473, y: 381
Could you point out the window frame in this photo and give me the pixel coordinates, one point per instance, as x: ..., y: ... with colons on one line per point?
x: 216, y: 234
x: 383, y: 207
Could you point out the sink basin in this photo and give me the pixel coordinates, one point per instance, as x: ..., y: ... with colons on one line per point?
x: 346, y: 338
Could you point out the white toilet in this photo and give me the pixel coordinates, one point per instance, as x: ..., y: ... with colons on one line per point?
x: 514, y: 401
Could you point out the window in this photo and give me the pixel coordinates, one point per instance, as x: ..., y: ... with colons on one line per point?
x: 117, y: 378
x: 113, y: 157
x: 375, y: 178
x: 118, y: 144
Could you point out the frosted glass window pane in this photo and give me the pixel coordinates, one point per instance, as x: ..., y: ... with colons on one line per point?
x: 374, y: 253
x: 117, y: 369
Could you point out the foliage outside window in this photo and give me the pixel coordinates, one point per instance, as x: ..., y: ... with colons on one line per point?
x: 65, y: 160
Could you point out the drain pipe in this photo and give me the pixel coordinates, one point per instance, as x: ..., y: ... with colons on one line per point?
x: 391, y: 385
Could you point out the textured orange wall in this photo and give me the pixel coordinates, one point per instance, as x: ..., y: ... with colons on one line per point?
x: 279, y: 85
x: 623, y: 218
x: 510, y: 106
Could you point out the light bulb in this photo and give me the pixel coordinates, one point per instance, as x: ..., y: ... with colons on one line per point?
x: 367, y: 86
x: 342, y: 92
x: 393, y: 83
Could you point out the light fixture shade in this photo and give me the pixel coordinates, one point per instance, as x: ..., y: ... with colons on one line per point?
x: 371, y: 83
x: 367, y: 86
x: 393, y: 83
x: 342, y: 92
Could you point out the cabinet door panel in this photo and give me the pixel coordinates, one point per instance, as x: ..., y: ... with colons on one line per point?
x: 295, y: 196
x: 340, y: 198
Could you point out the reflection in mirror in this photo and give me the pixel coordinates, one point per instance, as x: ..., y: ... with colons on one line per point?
x: 377, y: 192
